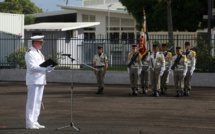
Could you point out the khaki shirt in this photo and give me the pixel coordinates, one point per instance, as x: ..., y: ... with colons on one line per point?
x: 145, y: 62
x: 100, y: 60
x: 191, y: 58
x: 182, y: 65
x: 158, y: 61
x: 168, y: 58
x: 137, y: 62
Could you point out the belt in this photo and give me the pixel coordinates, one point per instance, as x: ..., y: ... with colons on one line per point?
x: 100, y: 66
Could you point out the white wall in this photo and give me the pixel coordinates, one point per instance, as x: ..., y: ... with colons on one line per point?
x: 56, y: 42
x: 101, y: 17
x: 12, y: 24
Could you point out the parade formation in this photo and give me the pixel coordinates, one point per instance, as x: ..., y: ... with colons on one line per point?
x: 157, y: 64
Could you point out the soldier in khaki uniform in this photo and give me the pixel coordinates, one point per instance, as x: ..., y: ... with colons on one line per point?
x: 168, y: 64
x: 157, y: 68
x: 191, y: 60
x: 134, y: 65
x: 144, y: 76
x: 180, y: 69
x: 100, y: 62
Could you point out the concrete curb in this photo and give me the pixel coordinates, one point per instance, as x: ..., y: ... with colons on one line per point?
x: 88, y: 77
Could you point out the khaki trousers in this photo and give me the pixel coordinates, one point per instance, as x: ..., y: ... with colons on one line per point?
x: 165, y: 79
x: 179, y: 80
x: 100, y: 77
x: 144, y: 77
x: 155, y: 79
x: 187, y: 79
x: 133, y: 73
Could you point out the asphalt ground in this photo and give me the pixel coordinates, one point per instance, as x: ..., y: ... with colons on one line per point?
x: 114, y: 112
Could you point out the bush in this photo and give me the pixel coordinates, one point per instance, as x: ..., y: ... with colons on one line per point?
x: 204, y: 61
x: 17, y: 58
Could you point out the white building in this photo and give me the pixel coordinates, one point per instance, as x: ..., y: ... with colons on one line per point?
x: 122, y: 25
x: 11, y: 35
x: 60, y: 38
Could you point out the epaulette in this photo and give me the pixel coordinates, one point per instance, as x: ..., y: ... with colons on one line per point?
x: 129, y: 55
x: 29, y: 50
x: 170, y: 55
x: 194, y: 53
x: 184, y: 57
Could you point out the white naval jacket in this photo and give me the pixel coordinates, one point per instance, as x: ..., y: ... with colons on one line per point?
x: 35, y: 74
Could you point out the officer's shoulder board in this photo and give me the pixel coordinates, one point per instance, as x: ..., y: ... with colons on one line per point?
x: 129, y: 54
x: 105, y: 56
x: 184, y: 57
x: 28, y: 50
x: 170, y: 55
x: 194, y: 53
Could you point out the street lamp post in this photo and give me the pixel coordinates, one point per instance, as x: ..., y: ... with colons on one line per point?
x: 209, y: 23
x: 109, y: 19
x: 108, y: 33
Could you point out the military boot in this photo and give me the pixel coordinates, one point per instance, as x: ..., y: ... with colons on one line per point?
x: 156, y: 94
x: 135, y: 92
x: 100, y: 91
x: 132, y: 92
x: 144, y: 90
x: 177, y: 94
x: 165, y: 91
x: 187, y: 92
x: 162, y: 91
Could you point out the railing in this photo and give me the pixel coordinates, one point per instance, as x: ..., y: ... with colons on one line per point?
x: 13, y: 49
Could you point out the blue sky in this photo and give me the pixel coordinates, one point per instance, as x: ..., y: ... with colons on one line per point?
x: 50, y: 5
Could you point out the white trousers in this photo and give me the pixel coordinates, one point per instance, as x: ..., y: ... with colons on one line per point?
x: 33, y: 105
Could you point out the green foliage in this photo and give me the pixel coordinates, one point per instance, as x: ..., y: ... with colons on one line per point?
x: 55, y: 57
x: 204, y: 61
x: 29, y: 19
x: 11, y: 6
x: 17, y: 58
x: 19, y: 7
x: 186, y: 14
x: 29, y: 7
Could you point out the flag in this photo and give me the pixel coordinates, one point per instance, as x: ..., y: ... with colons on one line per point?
x: 143, y: 39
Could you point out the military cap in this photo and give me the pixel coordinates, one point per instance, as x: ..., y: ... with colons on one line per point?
x: 178, y: 48
x: 37, y: 38
x: 164, y: 45
x: 187, y: 43
x: 99, y: 46
x: 134, y: 45
x: 155, y: 45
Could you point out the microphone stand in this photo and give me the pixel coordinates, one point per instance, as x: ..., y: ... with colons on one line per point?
x: 72, y: 87
x: 71, y: 110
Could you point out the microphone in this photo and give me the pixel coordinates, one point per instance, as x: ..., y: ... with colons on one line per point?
x: 66, y: 55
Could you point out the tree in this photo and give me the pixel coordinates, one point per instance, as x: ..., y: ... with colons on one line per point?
x: 19, y: 7
x: 11, y: 6
x: 29, y: 19
x: 186, y: 14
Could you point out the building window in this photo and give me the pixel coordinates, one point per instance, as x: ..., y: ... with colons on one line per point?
x: 89, y: 36
x: 89, y: 33
x: 88, y: 18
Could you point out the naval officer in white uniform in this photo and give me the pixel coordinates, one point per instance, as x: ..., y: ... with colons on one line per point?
x: 35, y: 81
